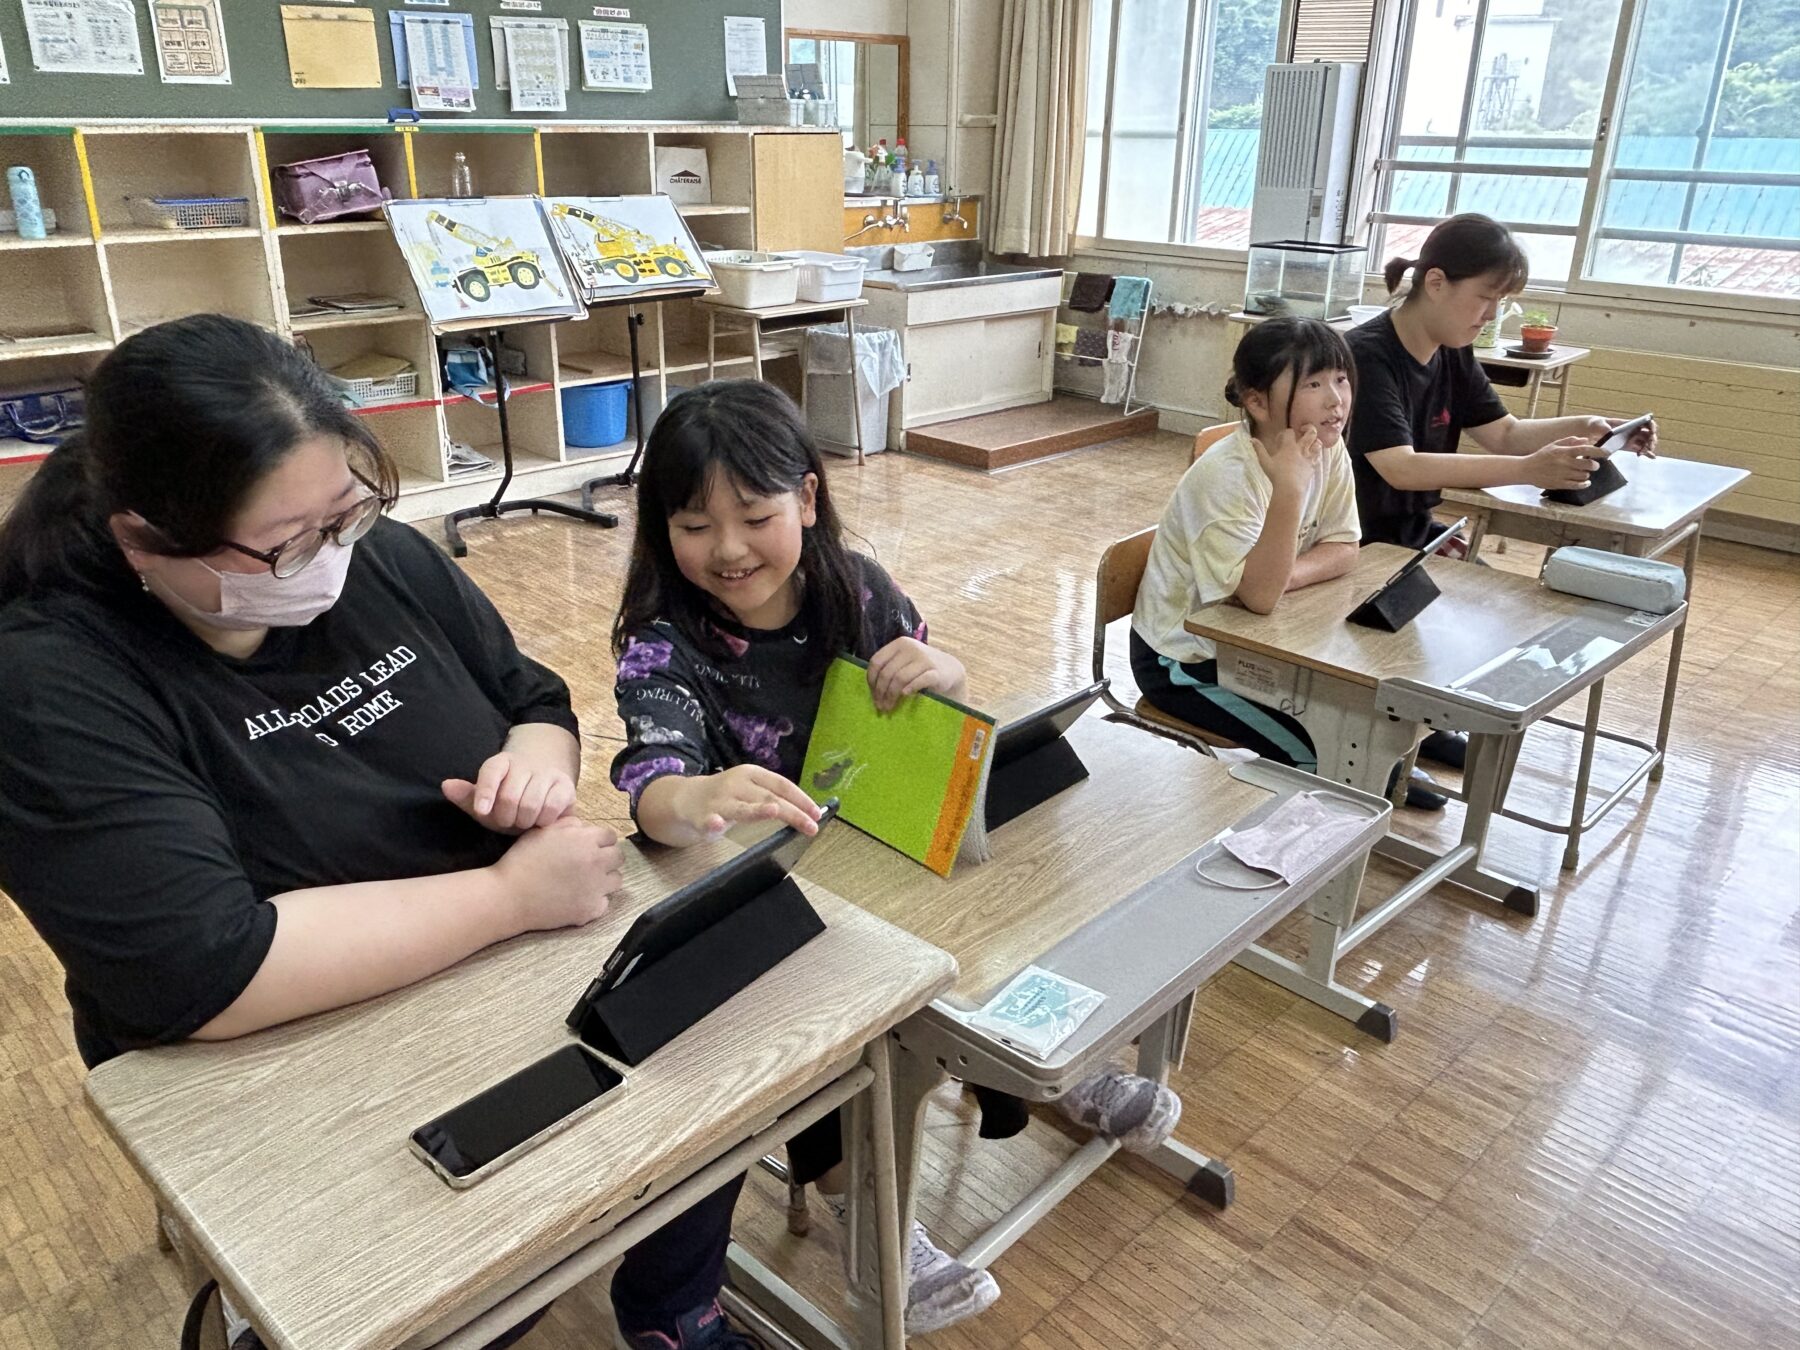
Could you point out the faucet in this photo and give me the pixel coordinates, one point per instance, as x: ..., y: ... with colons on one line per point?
x: 953, y: 211
x: 889, y: 221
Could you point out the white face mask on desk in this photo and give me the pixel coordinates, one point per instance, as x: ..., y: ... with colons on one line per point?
x: 1292, y: 839
x: 260, y: 599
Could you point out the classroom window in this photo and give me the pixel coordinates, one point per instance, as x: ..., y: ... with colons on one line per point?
x: 1174, y: 119
x: 1501, y: 109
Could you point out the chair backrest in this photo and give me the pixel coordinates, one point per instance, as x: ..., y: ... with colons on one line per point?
x: 1115, y: 593
x: 1210, y: 437
x: 1121, y: 569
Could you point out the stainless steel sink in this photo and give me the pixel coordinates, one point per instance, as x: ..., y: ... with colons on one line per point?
x: 956, y: 274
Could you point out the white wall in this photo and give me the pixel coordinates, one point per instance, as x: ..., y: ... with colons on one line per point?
x: 846, y: 16
x: 955, y: 60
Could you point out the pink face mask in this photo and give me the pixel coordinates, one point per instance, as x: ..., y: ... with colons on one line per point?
x: 260, y: 599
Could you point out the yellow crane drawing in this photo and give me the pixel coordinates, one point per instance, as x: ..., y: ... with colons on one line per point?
x: 498, y: 262
x: 629, y: 254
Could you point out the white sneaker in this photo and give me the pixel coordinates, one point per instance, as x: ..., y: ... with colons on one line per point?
x: 1139, y: 1112
x: 941, y: 1291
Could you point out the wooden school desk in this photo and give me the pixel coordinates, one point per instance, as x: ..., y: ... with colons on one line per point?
x: 1493, y: 654
x: 284, y: 1155
x: 1096, y: 884
x: 1664, y: 504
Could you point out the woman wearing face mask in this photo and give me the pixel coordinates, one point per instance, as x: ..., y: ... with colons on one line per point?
x: 262, y: 751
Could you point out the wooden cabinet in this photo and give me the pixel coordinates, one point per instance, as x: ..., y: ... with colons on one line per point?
x: 67, y: 300
x: 799, y: 192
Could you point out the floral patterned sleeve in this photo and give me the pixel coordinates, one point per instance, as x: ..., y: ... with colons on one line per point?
x: 665, y: 723
x: 888, y: 613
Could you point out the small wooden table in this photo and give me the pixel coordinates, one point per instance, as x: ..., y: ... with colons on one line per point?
x: 284, y: 1155
x: 786, y: 319
x: 1494, y: 654
x: 1097, y: 884
x: 1664, y: 504
x: 1549, y: 372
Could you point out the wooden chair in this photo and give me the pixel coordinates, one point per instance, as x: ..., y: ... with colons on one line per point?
x: 1210, y: 437
x: 1115, y: 596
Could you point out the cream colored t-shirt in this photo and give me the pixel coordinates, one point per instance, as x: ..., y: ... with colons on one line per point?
x: 1211, y: 524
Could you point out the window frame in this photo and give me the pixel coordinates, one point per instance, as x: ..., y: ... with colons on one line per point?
x: 1196, y: 84
x: 1384, y: 78
x: 1599, y: 174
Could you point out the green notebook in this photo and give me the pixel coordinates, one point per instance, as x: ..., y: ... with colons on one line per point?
x: 913, y: 778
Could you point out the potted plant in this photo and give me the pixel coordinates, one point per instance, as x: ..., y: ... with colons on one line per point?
x: 1536, y: 332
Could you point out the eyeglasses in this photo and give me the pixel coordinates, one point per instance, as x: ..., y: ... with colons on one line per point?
x: 289, y: 557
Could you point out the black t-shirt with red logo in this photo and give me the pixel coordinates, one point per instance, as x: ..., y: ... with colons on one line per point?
x: 1400, y: 402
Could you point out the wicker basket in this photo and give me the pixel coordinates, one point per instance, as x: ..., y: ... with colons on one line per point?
x: 189, y: 213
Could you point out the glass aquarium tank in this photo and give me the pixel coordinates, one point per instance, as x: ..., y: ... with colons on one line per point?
x: 1305, y: 280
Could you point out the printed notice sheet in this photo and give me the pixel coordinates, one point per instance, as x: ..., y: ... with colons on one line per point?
x: 615, y: 56
x: 497, y: 31
x: 536, y: 57
x: 190, y: 41
x: 746, y: 51
x: 437, y: 56
x: 84, y: 37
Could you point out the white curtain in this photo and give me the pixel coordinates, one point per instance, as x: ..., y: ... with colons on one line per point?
x: 1041, y: 133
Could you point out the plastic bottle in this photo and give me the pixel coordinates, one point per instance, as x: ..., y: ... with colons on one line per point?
x: 28, y: 211
x: 934, y: 185
x: 915, y: 181
x: 462, y: 178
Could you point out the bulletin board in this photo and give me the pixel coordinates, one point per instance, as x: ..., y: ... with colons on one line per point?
x: 687, y: 54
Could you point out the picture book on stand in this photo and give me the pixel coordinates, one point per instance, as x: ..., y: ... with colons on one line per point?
x: 914, y: 778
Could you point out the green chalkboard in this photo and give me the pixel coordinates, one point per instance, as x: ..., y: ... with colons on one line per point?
x: 687, y: 57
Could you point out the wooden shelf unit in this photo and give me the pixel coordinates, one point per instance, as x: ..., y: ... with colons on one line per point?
x: 103, y: 275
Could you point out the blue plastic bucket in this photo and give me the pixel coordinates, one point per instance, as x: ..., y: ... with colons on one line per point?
x: 594, y: 414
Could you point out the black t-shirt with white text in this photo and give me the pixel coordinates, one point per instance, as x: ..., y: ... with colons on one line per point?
x: 154, y: 794
x: 1400, y: 402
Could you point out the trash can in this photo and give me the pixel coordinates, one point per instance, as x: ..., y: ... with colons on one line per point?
x: 880, y: 370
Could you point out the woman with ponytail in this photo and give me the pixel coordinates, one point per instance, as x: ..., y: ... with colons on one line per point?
x: 1422, y: 388
x: 264, y: 752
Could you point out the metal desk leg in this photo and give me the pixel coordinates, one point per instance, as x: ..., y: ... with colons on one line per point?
x: 855, y: 402
x: 756, y: 347
x: 712, y: 346
x: 1689, y: 564
x: 1537, y: 387
x: 1590, y: 732
x: 1478, y: 531
x: 1562, y: 389
x: 1160, y: 1049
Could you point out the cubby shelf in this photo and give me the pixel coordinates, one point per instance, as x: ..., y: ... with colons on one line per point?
x: 103, y: 275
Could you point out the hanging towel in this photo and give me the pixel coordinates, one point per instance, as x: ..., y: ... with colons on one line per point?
x: 1091, y: 343
x: 1129, y: 296
x: 1091, y: 291
x: 1117, y: 368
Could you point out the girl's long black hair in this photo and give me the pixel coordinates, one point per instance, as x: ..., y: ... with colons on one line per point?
x: 1274, y: 347
x: 182, y: 421
x: 751, y: 434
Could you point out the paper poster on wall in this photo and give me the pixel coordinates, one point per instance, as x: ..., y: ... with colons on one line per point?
x: 746, y: 50
x: 615, y: 56
x: 397, y: 31
x: 331, y: 48
x: 497, y: 27
x: 626, y: 245
x: 190, y: 41
x: 481, y: 260
x: 442, y: 76
x: 538, y: 58
x: 84, y: 37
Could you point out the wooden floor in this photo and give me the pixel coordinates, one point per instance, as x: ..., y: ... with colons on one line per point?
x: 1587, y: 1135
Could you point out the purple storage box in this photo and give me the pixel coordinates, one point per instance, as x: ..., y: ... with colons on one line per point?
x: 312, y: 190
